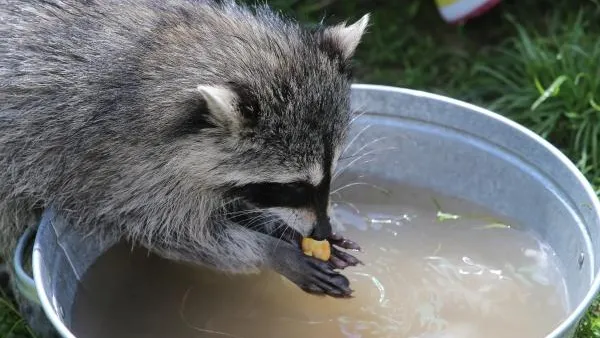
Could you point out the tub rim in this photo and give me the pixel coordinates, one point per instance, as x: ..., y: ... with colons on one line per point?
x: 59, y: 325
x: 569, y: 323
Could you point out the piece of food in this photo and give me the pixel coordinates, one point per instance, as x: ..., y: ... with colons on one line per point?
x: 318, y: 249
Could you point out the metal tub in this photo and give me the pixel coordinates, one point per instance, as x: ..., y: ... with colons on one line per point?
x: 441, y: 144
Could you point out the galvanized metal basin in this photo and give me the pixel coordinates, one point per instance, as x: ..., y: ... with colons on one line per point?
x: 441, y: 144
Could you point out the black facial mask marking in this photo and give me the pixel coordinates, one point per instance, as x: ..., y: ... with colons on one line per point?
x: 295, y: 195
x: 290, y: 195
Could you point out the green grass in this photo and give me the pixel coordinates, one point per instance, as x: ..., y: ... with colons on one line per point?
x: 534, y: 61
x: 12, y: 325
x: 550, y: 83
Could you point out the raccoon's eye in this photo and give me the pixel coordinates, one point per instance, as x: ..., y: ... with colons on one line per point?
x: 292, y: 195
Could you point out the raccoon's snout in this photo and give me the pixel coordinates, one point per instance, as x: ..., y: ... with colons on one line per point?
x: 322, y: 229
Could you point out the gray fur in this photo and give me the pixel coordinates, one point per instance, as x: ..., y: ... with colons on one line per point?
x: 97, y: 104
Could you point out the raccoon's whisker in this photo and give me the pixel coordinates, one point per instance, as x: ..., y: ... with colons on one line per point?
x: 349, y: 157
x: 286, y: 224
x: 263, y: 225
x: 354, y: 118
x: 238, y: 213
x: 245, y: 212
x: 343, y: 170
x: 228, y: 202
x: 284, y: 233
x: 245, y: 221
x: 346, y: 167
x: 258, y: 221
x: 383, y: 190
x: 233, y: 202
x: 354, y: 139
x: 350, y: 204
x: 265, y: 221
x: 358, y: 112
x: 356, y: 153
x: 377, y: 151
x: 370, y: 143
x: 254, y: 223
x: 370, y: 152
x: 335, y: 194
x: 363, y: 107
x: 280, y: 238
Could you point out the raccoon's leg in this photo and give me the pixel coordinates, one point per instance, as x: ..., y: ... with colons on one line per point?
x: 310, y: 274
x: 236, y: 249
x: 281, y: 247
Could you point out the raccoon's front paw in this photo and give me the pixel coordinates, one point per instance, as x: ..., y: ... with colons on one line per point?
x: 309, y: 273
x: 321, y: 279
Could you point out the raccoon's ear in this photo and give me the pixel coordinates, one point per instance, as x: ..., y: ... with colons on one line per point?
x: 221, y: 103
x: 346, y: 38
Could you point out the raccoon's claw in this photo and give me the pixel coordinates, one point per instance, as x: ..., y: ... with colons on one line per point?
x: 343, y: 243
x: 323, y: 280
x: 342, y: 260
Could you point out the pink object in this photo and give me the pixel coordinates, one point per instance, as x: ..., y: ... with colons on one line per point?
x: 462, y: 10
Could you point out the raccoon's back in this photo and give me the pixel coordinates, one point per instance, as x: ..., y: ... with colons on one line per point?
x: 66, y: 70
x: 57, y: 54
x: 56, y: 58
x: 52, y: 47
x: 83, y: 82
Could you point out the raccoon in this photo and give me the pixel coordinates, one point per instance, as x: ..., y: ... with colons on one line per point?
x: 204, y: 131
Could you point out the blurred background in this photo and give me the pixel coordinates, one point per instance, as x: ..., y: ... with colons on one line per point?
x: 534, y: 61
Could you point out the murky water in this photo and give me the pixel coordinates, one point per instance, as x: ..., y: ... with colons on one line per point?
x: 434, y: 268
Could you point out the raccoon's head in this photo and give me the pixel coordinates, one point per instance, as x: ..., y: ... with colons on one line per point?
x: 291, y: 130
x: 273, y: 121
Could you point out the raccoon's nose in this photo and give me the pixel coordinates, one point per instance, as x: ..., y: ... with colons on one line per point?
x: 322, y: 229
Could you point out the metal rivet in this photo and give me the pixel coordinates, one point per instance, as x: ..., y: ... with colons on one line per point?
x: 580, y: 260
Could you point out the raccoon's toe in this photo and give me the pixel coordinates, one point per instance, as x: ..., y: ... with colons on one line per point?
x: 342, y: 260
x: 344, y: 243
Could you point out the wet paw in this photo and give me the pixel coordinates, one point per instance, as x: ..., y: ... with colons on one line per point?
x: 309, y: 273
x: 321, y: 279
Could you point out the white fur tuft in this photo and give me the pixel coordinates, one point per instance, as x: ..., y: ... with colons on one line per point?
x: 221, y: 103
x: 348, y: 37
